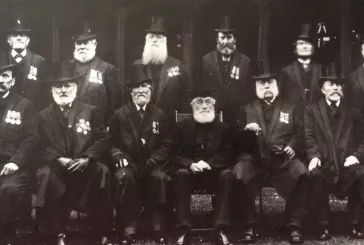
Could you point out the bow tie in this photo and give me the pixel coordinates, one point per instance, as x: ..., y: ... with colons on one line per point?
x: 18, y: 58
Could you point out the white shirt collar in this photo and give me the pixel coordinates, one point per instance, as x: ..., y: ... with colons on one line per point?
x: 337, y: 102
x: 70, y: 105
x: 6, y: 95
x: 14, y: 53
x: 308, y: 61
x: 138, y: 107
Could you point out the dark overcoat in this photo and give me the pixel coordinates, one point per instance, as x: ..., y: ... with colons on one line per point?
x: 355, y: 93
x: 232, y: 92
x: 333, y: 149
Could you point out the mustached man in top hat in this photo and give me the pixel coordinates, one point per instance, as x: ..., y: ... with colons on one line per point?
x: 31, y: 71
x: 18, y: 139
x: 203, y: 155
x: 168, y: 73
x: 142, y: 143
x: 227, y: 70
x: 100, y: 86
x: 70, y: 174
x: 335, y: 150
x: 279, y: 126
x: 299, y: 80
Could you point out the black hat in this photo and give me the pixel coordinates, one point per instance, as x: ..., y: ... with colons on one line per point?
x: 306, y: 33
x: 18, y: 27
x: 330, y: 72
x: 225, y: 24
x: 201, y: 93
x: 139, y: 76
x: 6, y: 65
x: 263, y: 71
x: 84, y: 33
x: 157, y: 25
x: 61, y: 73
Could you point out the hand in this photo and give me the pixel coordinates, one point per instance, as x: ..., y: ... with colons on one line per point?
x: 122, y: 163
x: 79, y: 165
x: 314, y: 163
x: 351, y: 161
x: 65, y: 162
x: 290, y: 153
x: 117, y: 156
x: 9, y: 168
x: 253, y: 127
x: 195, y: 168
x: 204, y: 165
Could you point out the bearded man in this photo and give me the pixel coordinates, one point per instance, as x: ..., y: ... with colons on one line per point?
x: 227, y: 70
x: 203, y: 155
x: 168, y: 73
x: 335, y: 150
x: 279, y: 127
x: 18, y: 139
x: 31, y: 72
x: 70, y: 175
x: 299, y: 80
x: 142, y: 142
x: 100, y: 86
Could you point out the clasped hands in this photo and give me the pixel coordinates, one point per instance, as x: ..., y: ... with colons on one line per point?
x: 9, y: 169
x: 315, y: 162
x: 199, y: 167
x: 74, y: 165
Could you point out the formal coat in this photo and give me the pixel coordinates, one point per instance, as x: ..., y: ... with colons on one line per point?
x: 104, y: 92
x: 333, y: 148
x: 234, y: 88
x: 355, y: 89
x: 171, y: 86
x: 82, y: 135
x: 299, y: 87
x: 18, y: 140
x: 30, y: 79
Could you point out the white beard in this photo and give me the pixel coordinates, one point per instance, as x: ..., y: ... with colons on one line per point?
x: 261, y: 93
x: 155, y: 55
x: 141, y: 100
x: 204, y: 117
x: 63, y: 101
x: 83, y: 58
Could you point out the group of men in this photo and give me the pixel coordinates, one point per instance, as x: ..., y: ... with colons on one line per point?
x: 66, y: 137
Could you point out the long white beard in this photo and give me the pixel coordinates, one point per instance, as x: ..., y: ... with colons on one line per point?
x: 63, y: 101
x: 204, y: 117
x: 82, y: 57
x: 141, y: 100
x: 155, y: 55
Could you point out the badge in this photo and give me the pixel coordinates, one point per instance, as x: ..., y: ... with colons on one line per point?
x: 83, y: 126
x: 284, y: 117
x: 235, y: 73
x: 13, y: 117
x: 174, y: 71
x: 155, y: 127
x: 143, y: 141
x: 95, y: 76
x: 33, y: 73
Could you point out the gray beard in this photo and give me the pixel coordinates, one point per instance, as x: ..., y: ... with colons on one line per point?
x: 155, y: 55
x: 61, y: 101
x: 204, y: 117
x: 83, y: 58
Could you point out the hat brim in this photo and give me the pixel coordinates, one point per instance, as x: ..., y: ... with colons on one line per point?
x: 335, y: 79
x: 192, y: 94
x: 11, y: 67
x: 155, y: 31
x: 83, y: 38
x: 64, y: 80
x: 225, y: 30
x: 264, y: 76
x: 134, y: 84
x: 18, y: 30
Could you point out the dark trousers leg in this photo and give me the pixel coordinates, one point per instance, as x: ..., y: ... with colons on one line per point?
x: 183, y: 190
x: 127, y: 200
x: 355, y: 202
x: 244, y: 203
x: 319, y: 199
x: 223, y: 192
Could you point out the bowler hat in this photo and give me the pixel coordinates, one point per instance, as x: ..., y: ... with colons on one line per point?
x: 329, y: 72
x: 18, y: 26
x: 6, y: 65
x: 225, y: 24
x: 139, y: 76
x: 157, y: 25
x: 263, y: 71
x: 84, y: 32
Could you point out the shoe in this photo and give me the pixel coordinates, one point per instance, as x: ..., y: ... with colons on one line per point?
x: 221, y: 239
x: 295, y: 237
x: 356, y: 232
x: 104, y: 240
x: 128, y: 240
x: 324, y: 234
x: 182, y: 237
x: 249, y: 235
x: 160, y: 238
x: 61, y: 239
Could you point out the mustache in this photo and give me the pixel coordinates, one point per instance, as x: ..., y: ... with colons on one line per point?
x: 337, y: 92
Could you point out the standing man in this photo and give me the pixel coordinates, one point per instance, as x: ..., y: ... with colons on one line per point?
x: 335, y: 149
x: 356, y: 87
x: 169, y: 74
x: 31, y: 71
x: 203, y: 155
x: 227, y: 70
x: 280, y: 131
x: 100, y: 86
x: 142, y: 143
x: 18, y: 139
x: 299, y: 80
x: 71, y: 175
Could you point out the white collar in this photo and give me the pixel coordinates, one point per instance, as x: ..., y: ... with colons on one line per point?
x: 337, y: 102
x: 70, y: 105
x: 302, y: 61
x: 14, y: 53
x: 138, y: 107
x: 6, y: 95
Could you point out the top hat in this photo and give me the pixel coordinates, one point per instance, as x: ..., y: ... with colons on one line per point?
x: 306, y: 33
x: 329, y: 72
x: 138, y: 76
x: 18, y: 27
x: 225, y: 24
x: 263, y: 71
x: 84, y: 33
x: 157, y: 25
x: 6, y: 65
x: 62, y: 73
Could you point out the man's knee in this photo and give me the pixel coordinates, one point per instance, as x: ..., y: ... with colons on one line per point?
x: 182, y: 173
x: 226, y: 174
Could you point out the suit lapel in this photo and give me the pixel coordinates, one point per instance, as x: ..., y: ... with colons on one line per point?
x: 134, y: 123
x: 86, y: 79
x: 313, y: 80
x: 261, y: 121
x: 216, y: 65
x: 325, y: 119
x: 295, y: 71
x: 162, y: 79
x: 10, y: 106
x: 342, y: 120
x: 59, y: 127
x: 28, y: 60
x: 277, y: 108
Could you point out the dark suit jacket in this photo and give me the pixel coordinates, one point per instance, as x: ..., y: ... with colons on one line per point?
x: 105, y: 96
x: 127, y: 130
x: 171, y: 88
x: 64, y: 138
x: 218, y: 149
x: 332, y: 149
x: 355, y: 89
x: 33, y: 90
x: 292, y: 85
x: 18, y: 141
x: 236, y: 92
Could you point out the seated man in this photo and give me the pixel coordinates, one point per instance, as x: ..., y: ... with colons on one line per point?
x: 18, y: 138
x: 334, y: 145
x: 203, y: 154
x: 280, y: 141
x: 142, y: 142
x: 73, y: 138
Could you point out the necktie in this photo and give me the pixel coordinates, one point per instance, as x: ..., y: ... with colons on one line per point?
x: 141, y: 113
x: 333, y: 107
x: 66, y: 111
x: 18, y: 58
